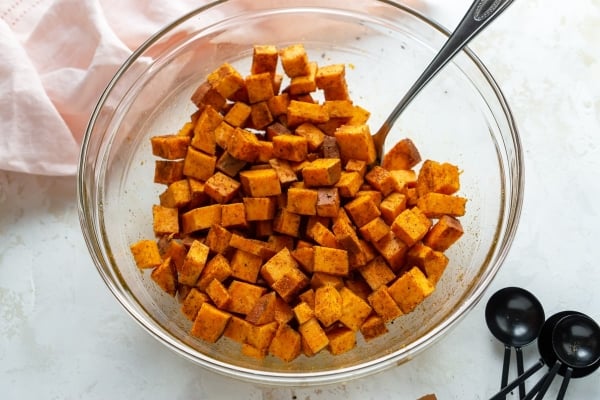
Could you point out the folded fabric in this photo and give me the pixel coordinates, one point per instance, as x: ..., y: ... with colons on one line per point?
x: 56, y: 57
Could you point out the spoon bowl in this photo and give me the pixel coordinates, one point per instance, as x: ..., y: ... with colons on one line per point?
x: 576, y: 341
x: 515, y: 317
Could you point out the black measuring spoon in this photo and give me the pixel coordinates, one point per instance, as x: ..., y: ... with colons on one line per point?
x: 515, y: 317
x: 576, y: 343
x: 548, y: 357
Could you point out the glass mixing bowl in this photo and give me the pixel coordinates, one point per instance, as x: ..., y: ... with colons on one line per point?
x: 461, y: 117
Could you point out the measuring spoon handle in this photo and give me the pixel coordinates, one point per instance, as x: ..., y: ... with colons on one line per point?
x: 521, y: 378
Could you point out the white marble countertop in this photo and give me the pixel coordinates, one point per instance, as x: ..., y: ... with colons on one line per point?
x: 64, y: 336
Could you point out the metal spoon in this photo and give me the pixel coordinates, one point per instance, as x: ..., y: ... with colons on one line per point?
x: 548, y: 357
x: 479, y: 15
x: 515, y: 317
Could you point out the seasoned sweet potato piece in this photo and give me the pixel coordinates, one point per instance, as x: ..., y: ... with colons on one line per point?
x: 437, y: 177
x: 377, y: 273
x: 354, y: 309
x: 404, y: 155
x: 313, y: 135
x: 304, y: 83
x: 221, y: 188
x: 264, y: 59
x: 165, y: 276
x: 444, y: 233
x: 356, y: 142
x: 302, y: 201
x: 243, y: 145
x: 383, y: 304
x: 170, y: 147
x: 286, y: 344
x: 244, y: 296
x: 238, y: 114
x: 328, y: 305
x: 341, y: 340
x: 313, y: 335
x: 432, y: 262
x: 373, y: 327
x: 193, y: 264
x: 290, y: 147
x: 204, y: 130
x: 167, y: 172
x: 331, y: 261
x: 294, y: 60
x: 192, y: 303
x: 233, y: 215
x: 199, y: 165
x: 260, y: 182
x: 410, y: 289
x: 217, y: 268
x: 146, y: 254
x: 322, y: 172
x: 200, y: 218
x: 435, y: 205
x: 411, y: 226
x: 210, y: 323
x: 165, y: 220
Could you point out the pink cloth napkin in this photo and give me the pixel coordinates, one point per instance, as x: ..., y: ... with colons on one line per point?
x: 56, y: 57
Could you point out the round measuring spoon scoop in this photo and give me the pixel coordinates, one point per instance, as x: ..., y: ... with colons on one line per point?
x: 576, y: 343
x: 515, y: 317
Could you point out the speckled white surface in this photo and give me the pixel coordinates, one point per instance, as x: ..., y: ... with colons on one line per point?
x: 63, y: 336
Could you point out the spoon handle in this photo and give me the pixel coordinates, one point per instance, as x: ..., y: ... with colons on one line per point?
x: 520, y: 370
x: 479, y: 15
x: 565, y: 383
x: 521, y: 378
x: 547, y: 381
x: 505, y: 366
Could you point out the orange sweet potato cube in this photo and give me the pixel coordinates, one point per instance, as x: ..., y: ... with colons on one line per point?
x: 176, y: 195
x: 278, y: 266
x: 392, y: 206
x: 354, y: 309
x: 377, y: 273
x: 374, y: 230
x: 303, y: 312
x: 313, y: 135
x: 320, y: 279
x: 434, y: 205
x: 226, y: 80
x: 380, y: 179
x: 339, y: 109
x: 313, y: 336
x: 167, y: 172
x: 432, y: 262
x: 210, y: 323
x: 302, y: 84
x: 204, y: 130
x: 331, y: 261
x: 373, y: 327
x: 405, y: 178
x: 199, y: 165
x: 243, y: 145
x: 341, y: 340
x: 218, y: 294
x: 238, y: 114
x: 294, y: 60
x: 229, y: 165
x: 356, y: 142
x: 222, y: 134
x: 238, y: 329
x: 278, y: 104
x: 284, y: 171
x: 245, y: 266
x: 404, y: 155
x: 217, y: 268
x: 221, y: 188
x: 299, y: 112
x: 302, y: 201
x: 259, y: 208
x: 362, y: 210
x: 165, y: 276
x: 264, y: 59
x: 260, y: 182
x: 206, y: 95
x: 393, y: 250
x: 322, y: 172
x: 383, y: 304
x: 263, y: 310
x: 356, y: 166
x: 253, y: 246
x: 437, y: 177
x: 328, y: 305
x: 444, y: 233
x: 290, y: 147
x: 287, y: 223
x: 200, y: 218
x: 322, y: 235
x: 146, y: 254
x: 192, y: 303
x: 261, y: 335
x: 410, y: 289
x: 411, y: 226
x: 170, y: 147
x: 244, y: 296
x: 260, y: 115
x: 260, y: 87
x: 286, y: 344
x: 331, y: 75
x: 234, y: 215
x: 349, y: 183
x: 193, y: 264
x: 165, y: 220
x: 305, y: 257
x: 328, y: 202
x: 218, y: 239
